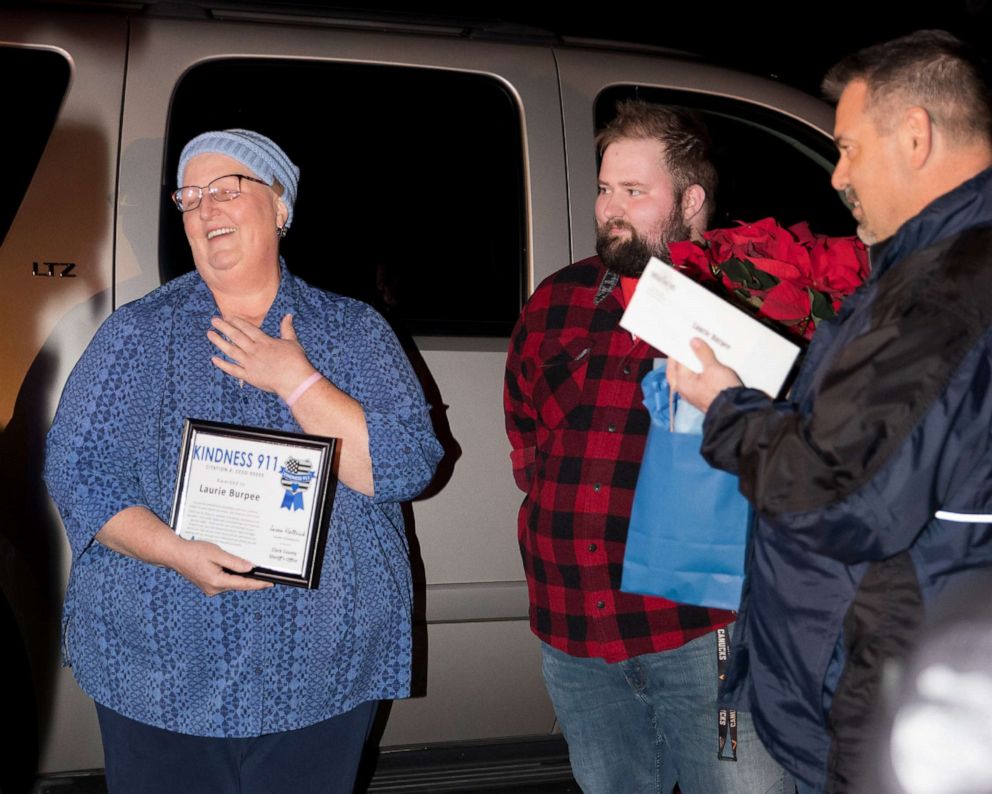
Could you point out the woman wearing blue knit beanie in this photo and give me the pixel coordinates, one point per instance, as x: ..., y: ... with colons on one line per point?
x: 206, y: 680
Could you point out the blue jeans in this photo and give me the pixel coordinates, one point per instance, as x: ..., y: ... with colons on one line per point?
x: 643, y: 724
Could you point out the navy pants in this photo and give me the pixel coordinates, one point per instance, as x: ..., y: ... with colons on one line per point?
x: 319, y: 759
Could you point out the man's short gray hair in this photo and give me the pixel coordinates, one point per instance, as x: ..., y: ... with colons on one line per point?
x: 930, y: 69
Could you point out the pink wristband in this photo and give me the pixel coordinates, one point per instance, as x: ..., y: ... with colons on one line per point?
x: 298, y: 391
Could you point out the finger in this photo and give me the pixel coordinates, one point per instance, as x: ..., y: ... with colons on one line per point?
x: 226, y: 334
x: 233, y: 581
x: 232, y: 351
x: 286, y: 330
x: 233, y: 369
x: 230, y: 561
x: 703, y: 352
x: 225, y: 346
x: 672, y: 374
x: 223, y: 582
x: 240, y: 334
x: 230, y: 566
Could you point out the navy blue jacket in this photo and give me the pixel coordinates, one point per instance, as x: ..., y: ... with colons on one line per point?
x: 873, y: 486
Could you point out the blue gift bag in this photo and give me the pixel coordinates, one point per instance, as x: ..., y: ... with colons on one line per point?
x: 689, y: 524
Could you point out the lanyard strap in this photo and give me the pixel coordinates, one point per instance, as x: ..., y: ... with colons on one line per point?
x: 726, y: 718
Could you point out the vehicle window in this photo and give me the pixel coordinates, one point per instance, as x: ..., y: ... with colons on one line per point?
x: 411, y: 186
x: 769, y: 164
x: 31, y: 107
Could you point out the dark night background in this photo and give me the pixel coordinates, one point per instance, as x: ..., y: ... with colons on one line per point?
x: 796, y: 42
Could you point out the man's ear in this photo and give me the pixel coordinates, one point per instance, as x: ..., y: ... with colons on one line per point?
x: 693, y: 199
x: 916, y: 136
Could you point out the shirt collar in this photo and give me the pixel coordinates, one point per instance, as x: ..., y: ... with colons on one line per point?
x: 286, y: 301
x: 610, y: 280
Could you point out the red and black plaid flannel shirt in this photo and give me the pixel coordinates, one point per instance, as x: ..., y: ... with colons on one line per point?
x: 577, y: 424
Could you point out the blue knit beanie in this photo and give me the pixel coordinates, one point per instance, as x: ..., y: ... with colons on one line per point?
x: 262, y: 155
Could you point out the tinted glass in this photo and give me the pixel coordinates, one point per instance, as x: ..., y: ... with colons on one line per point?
x: 411, y: 187
x: 31, y: 106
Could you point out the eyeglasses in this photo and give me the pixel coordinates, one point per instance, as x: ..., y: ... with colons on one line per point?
x: 223, y: 188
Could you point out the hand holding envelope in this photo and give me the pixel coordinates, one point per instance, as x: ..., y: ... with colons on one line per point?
x: 700, y: 389
x: 669, y: 310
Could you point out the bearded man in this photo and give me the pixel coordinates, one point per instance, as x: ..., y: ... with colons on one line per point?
x: 633, y: 679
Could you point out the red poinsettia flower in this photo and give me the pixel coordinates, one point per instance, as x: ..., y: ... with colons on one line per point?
x: 792, y: 276
x: 692, y: 259
x: 837, y: 269
x: 786, y: 303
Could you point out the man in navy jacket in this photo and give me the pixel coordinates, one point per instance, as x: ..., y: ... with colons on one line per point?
x: 873, y: 481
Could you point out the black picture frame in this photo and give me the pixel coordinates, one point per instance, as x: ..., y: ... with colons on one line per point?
x: 235, y: 479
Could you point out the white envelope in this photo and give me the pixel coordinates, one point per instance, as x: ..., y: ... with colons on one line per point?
x: 668, y: 309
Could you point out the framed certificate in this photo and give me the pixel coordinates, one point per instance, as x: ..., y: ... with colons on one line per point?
x: 264, y: 495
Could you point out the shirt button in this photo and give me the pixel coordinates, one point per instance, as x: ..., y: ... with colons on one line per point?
x: 597, y: 487
x: 600, y: 604
x: 612, y: 428
x: 593, y: 547
x: 626, y: 370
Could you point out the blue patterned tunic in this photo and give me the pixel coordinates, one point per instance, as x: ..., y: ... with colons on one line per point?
x: 143, y: 640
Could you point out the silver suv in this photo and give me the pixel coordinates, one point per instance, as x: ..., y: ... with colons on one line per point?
x: 445, y: 172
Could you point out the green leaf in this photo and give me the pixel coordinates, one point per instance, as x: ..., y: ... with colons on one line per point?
x: 746, y: 300
x: 821, y: 307
x: 744, y: 272
x: 765, y: 280
x: 737, y: 271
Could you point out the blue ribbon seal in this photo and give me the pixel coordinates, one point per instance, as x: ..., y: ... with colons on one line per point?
x: 293, y: 498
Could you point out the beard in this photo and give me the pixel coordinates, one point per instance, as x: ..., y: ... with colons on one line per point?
x: 629, y: 257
